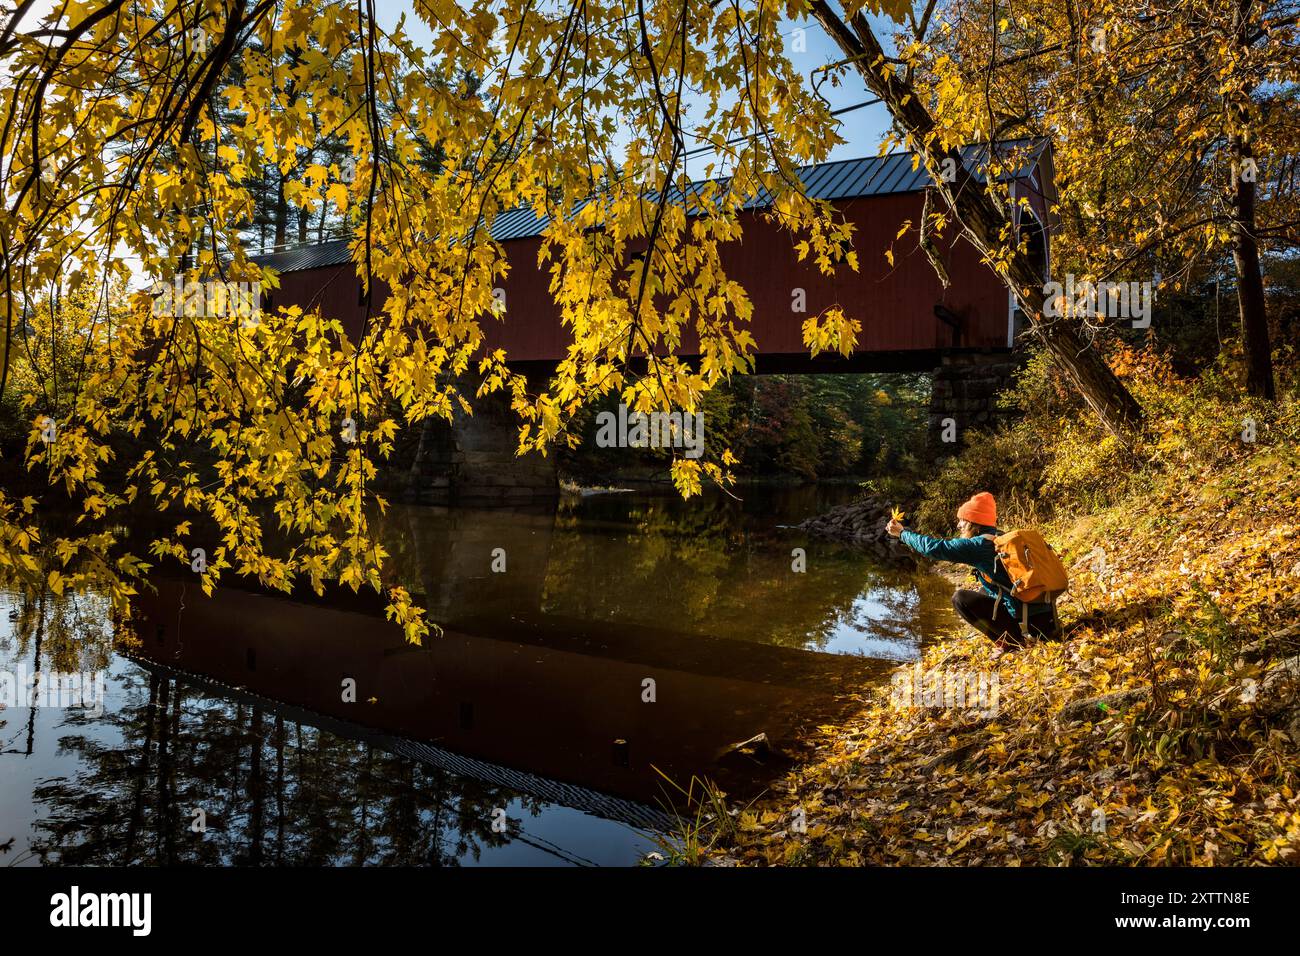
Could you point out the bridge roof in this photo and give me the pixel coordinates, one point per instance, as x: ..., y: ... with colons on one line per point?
x: 335, y: 252
x: 866, y: 176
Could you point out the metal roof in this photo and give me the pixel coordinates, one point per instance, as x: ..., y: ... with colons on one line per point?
x: 843, y: 179
x: 315, y: 256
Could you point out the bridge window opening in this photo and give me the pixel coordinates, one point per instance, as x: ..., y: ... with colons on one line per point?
x: 1035, y: 238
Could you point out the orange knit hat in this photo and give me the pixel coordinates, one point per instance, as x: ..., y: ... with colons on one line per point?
x: 981, y: 509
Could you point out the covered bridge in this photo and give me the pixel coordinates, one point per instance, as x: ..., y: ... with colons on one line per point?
x: 909, y: 320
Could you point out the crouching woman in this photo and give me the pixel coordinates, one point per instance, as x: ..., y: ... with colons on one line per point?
x: 990, y: 611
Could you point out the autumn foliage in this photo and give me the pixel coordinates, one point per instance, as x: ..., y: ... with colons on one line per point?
x: 1162, y: 729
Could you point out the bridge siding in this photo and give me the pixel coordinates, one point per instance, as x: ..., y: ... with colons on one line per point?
x: 895, y: 305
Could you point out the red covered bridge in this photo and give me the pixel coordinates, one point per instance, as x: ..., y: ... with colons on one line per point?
x: 909, y: 320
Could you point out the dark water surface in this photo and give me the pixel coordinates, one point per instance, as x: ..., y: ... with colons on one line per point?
x: 522, y: 735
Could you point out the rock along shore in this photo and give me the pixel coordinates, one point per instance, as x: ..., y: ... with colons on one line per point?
x: 861, y: 523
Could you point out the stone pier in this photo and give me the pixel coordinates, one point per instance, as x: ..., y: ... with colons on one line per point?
x: 964, y: 396
x: 471, y: 461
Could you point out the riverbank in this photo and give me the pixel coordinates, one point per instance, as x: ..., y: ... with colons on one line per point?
x: 1164, y: 728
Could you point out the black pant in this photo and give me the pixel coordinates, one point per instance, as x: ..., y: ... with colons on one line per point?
x: 990, y: 617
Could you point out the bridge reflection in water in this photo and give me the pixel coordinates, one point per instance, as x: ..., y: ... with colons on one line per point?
x: 533, y: 699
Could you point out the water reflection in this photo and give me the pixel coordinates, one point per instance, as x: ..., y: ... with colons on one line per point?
x: 234, y: 711
x: 716, y: 569
x: 270, y: 791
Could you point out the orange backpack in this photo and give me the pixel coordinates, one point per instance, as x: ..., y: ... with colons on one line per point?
x: 1037, y: 574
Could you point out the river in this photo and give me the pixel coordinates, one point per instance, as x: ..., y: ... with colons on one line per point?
x: 591, y: 653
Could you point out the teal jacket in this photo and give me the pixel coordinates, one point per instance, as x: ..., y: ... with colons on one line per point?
x: 978, y: 552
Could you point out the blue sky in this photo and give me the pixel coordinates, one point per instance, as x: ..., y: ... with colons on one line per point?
x: 863, y: 129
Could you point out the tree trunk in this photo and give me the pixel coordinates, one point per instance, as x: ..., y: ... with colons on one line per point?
x: 1245, y: 247
x: 1250, y: 280
x: 281, y: 212
x: 982, y: 223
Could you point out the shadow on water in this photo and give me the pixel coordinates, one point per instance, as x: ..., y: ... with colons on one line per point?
x: 584, y: 647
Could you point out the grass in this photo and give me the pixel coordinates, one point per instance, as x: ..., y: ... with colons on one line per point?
x: 703, y: 823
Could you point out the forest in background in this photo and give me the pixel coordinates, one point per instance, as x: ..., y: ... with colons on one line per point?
x: 788, y: 427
